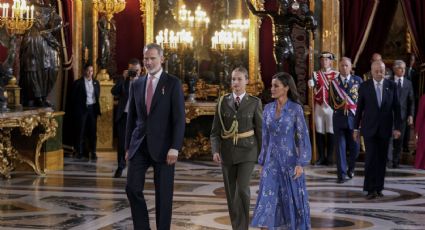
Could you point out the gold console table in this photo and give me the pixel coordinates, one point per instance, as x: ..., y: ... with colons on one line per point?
x: 25, y: 122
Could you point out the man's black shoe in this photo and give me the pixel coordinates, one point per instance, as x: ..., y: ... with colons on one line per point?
x: 118, y: 173
x: 321, y: 162
x: 379, y: 194
x: 371, y: 195
x: 341, y: 180
x: 350, y: 174
x: 93, y: 157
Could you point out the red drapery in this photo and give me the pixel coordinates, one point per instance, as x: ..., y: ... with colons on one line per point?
x: 130, y: 34
x: 414, y: 12
x: 266, y: 58
x: 356, y: 20
x: 378, y: 34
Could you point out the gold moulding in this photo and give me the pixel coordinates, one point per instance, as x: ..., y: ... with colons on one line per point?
x: 26, y: 122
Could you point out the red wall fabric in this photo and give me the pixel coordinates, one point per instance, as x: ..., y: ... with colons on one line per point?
x: 3, y: 53
x: 266, y: 58
x: 354, y: 20
x: 130, y: 34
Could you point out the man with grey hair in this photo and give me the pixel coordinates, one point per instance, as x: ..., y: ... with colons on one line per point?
x: 344, y: 92
x: 407, y: 106
x: 378, y: 113
x: 155, y: 132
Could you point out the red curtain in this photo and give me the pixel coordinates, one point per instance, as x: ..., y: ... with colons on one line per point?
x: 356, y: 15
x: 414, y: 12
x: 266, y: 58
x: 130, y: 35
x: 378, y: 34
x: 3, y: 53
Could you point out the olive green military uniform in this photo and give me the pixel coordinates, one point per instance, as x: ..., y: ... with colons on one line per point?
x: 236, y: 135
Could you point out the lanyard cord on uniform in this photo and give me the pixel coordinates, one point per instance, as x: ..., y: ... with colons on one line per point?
x: 233, y: 131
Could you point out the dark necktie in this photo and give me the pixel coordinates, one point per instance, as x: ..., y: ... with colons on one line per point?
x: 237, y: 102
x: 399, y: 87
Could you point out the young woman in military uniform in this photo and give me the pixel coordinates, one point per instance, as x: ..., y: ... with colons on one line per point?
x: 235, y: 144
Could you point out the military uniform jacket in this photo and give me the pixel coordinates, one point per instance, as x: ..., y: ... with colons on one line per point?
x: 343, y: 100
x: 249, y: 118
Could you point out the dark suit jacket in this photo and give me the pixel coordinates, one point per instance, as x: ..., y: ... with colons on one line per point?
x: 407, y: 99
x: 165, y: 124
x: 120, y: 90
x: 79, y: 96
x: 375, y: 120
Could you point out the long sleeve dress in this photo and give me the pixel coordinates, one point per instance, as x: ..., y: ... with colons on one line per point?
x: 420, y: 130
x: 282, y: 201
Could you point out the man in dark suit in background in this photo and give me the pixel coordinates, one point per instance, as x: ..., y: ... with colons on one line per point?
x: 378, y: 111
x: 121, y: 91
x: 407, y: 106
x: 155, y: 132
x: 85, y: 96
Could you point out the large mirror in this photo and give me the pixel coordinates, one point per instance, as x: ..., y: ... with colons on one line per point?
x: 203, y: 41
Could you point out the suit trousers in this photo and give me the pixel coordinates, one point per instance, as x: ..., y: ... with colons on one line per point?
x: 236, y: 183
x: 87, y: 127
x: 375, y: 163
x: 121, y: 123
x: 164, y: 182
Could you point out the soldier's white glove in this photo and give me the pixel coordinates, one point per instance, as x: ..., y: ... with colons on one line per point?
x: 310, y: 83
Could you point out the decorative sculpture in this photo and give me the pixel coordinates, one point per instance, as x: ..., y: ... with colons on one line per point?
x: 283, y: 21
x: 105, y: 29
x: 39, y: 54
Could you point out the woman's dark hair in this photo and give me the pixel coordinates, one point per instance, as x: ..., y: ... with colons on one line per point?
x: 287, y: 80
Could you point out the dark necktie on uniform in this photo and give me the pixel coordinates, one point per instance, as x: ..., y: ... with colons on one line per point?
x: 149, y: 93
x: 237, y: 102
x: 346, y: 83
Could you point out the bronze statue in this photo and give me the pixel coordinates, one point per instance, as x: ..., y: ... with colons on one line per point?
x: 283, y: 21
x: 105, y: 29
x: 40, y: 56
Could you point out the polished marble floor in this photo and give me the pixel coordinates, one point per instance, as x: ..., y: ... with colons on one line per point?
x: 85, y: 196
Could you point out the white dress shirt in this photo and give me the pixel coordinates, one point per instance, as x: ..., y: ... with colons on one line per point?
x: 240, y: 96
x: 89, y: 91
x: 396, y: 78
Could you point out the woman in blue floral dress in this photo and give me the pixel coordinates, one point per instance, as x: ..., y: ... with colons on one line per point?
x: 282, y: 201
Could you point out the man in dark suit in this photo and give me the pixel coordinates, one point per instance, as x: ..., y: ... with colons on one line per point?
x: 378, y: 111
x: 120, y: 90
x: 407, y: 106
x: 344, y: 92
x: 85, y: 96
x: 155, y: 132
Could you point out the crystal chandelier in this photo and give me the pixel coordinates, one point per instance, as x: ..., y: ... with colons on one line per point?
x: 20, y: 19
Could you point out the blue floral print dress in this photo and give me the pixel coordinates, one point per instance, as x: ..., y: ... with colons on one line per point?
x: 282, y: 201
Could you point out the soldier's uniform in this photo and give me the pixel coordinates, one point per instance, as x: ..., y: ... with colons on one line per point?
x: 236, y: 136
x: 343, y: 100
x: 323, y: 112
